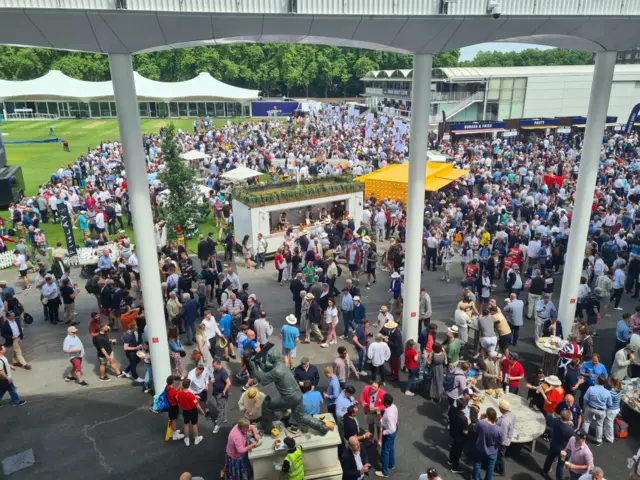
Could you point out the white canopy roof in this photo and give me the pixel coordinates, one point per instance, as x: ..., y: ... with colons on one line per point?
x: 202, y: 188
x: 240, y: 173
x: 194, y: 155
x: 56, y: 84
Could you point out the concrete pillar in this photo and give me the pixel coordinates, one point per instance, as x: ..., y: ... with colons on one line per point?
x: 590, y: 159
x: 420, y: 102
x: 124, y: 90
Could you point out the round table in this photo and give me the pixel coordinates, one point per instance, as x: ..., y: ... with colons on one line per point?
x: 550, y: 357
x: 530, y: 422
x: 631, y: 393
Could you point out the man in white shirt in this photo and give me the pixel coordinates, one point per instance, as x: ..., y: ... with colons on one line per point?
x: 53, y: 205
x: 533, y: 250
x: 133, y: 262
x: 261, y: 251
x: 73, y: 347
x: 236, y: 286
x: 21, y: 264
x: 389, y: 432
x: 211, y: 329
x: 599, y: 268
x: 100, y: 222
x: 200, y: 380
x: 380, y: 222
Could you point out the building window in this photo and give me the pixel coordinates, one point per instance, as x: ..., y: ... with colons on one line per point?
x: 620, y: 56
x: 637, y: 56
x: 627, y: 56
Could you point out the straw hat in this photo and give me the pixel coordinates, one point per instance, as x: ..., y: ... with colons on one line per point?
x: 504, y: 405
x: 390, y: 325
x: 222, y: 342
x: 356, y: 298
x: 453, y: 329
x: 349, y: 217
x: 252, y: 393
x: 291, y: 319
x: 553, y: 380
x: 366, y: 239
x: 303, y: 231
x: 309, y: 296
x: 384, y: 309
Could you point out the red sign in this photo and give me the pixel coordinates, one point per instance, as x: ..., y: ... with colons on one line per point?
x: 413, y: 314
x: 573, y: 300
x: 155, y: 340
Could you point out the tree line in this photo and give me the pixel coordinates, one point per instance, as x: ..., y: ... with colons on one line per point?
x: 275, y: 69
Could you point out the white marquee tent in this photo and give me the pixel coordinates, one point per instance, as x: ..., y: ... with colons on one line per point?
x: 194, y: 155
x: 240, y: 173
x: 56, y: 84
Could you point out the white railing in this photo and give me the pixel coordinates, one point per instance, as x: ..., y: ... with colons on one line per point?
x: 374, y: 91
x: 395, y: 112
x: 350, y: 7
x: 209, y: 6
x: 452, y: 96
x: 30, y: 116
x: 369, y: 7
x: 476, y: 97
x: 548, y: 7
x: 6, y: 259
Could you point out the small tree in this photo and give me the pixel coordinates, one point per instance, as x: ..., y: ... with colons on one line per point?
x: 181, y: 207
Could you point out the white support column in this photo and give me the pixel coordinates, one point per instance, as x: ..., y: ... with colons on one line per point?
x: 124, y: 90
x: 596, y: 120
x: 419, y: 129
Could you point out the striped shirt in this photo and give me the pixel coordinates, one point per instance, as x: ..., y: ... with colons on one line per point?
x: 615, y: 399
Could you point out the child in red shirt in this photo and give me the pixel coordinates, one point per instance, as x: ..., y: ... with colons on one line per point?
x: 411, y: 362
x: 174, y: 409
x: 190, y: 407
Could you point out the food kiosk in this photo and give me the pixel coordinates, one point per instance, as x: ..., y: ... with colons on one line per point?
x: 260, y: 209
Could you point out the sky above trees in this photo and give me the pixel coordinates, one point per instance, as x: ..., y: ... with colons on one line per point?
x: 275, y: 69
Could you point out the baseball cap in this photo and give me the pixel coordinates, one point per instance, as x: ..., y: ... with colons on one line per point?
x: 72, y: 330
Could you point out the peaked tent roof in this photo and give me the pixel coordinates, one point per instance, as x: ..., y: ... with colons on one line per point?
x: 56, y: 84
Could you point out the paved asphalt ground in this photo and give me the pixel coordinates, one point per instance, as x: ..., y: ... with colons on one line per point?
x: 107, y: 431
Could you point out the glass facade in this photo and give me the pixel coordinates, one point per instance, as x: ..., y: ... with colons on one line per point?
x: 147, y: 109
x: 508, y: 94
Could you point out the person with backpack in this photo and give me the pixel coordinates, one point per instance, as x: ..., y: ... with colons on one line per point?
x: 455, y: 383
x: 609, y: 251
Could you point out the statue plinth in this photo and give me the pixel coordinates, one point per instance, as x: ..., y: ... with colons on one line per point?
x: 319, y: 453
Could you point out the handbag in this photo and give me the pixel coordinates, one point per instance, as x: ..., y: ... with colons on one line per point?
x: 196, y: 356
x: 28, y: 319
x: 183, y: 354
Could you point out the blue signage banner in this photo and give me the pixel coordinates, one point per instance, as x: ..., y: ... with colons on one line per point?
x: 628, y: 128
x: 539, y: 122
x: 461, y: 127
x: 583, y: 120
x: 262, y: 109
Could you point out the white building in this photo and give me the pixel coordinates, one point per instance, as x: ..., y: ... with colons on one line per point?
x: 492, y: 94
x: 57, y: 95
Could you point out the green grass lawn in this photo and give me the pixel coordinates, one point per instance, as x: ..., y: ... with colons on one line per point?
x: 39, y: 161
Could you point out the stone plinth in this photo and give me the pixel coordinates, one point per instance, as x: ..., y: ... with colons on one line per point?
x: 320, y: 455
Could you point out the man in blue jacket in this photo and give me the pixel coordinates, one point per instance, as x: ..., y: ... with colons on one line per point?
x: 190, y: 309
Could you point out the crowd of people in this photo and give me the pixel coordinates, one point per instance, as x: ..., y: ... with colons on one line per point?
x: 507, y: 224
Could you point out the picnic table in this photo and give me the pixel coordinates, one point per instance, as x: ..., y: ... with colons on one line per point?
x: 530, y: 422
